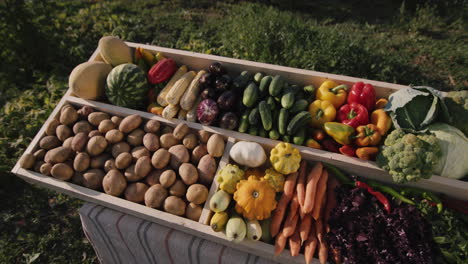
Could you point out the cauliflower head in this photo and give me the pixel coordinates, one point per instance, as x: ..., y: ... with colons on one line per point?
x: 228, y: 177
x: 409, y: 157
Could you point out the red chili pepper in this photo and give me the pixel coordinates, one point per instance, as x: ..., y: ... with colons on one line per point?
x: 348, y: 151
x: 362, y: 93
x: 353, y: 114
x: 331, y: 145
x: 382, y: 198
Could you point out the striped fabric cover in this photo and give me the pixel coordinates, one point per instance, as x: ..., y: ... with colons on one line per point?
x: 121, y: 238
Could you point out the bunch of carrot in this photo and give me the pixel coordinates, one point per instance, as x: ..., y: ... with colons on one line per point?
x: 302, y: 213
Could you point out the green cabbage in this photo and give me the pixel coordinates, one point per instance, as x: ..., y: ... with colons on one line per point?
x: 454, y: 147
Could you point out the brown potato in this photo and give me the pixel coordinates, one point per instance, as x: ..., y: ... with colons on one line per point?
x: 168, y: 140
x: 153, y: 177
x: 79, y: 142
x: 174, y: 205
x: 52, y: 127
x: 95, y: 118
x: 68, y: 142
x: 84, y: 111
x: 155, y: 196
x: 63, y: 132
x: 94, y: 133
x: 39, y: 154
x: 45, y: 169
x: 198, y: 152
x: 37, y: 165
x: 116, y: 120
x: 197, y: 193
x: 113, y: 136
x: 68, y: 116
x: 216, y: 145
x: 160, y: 158
x: 152, y: 126
x: 98, y: 161
x: 120, y: 147
x: 190, y: 141
x: 179, y: 155
x: 57, y: 155
x: 193, y: 212
x: 93, y: 179
x: 180, y: 131
x: 188, y: 173
x: 123, y: 160
x: 131, y: 175
x: 96, y: 145
x: 81, y: 162
x: 138, y: 152
x: 49, y: 142
x: 167, y: 130
x: 135, y: 192
x: 82, y: 126
x: 61, y: 171
x: 167, y: 178
x: 151, y: 141
x: 77, y: 178
x: 143, y: 166
x: 135, y: 138
x: 206, y: 169
x: 178, y: 188
x: 109, y: 165
x: 204, y: 136
x: 129, y: 123
x: 105, y: 126
x: 114, y: 183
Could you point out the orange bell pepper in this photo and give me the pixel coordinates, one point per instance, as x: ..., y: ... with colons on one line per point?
x: 381, y: 103
x: 367, y: 153
x: 367, y: 135
x: 382, y: 121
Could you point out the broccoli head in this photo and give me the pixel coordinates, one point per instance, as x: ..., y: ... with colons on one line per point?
x: 409, y: 157
x: 457, y: 104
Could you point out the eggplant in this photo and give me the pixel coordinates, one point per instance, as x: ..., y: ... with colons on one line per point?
x: 229, y: 120
x: 227, y: 100
x: 207, y: 111
x: 207, y: 80
x: 217, y: 69
x: 223, y: 82
x: 208, y: 93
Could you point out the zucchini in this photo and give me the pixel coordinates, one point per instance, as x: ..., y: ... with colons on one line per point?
x: 276, y: 85
x: 283, y: 120
x: 244, y: 122
x: 301, y: 119
x: 287, y: 100
x: 264, y: 84
x: 251, y: 94
x: 265, y: 115
x: 254, y: 116
x: 299, y: 137
x: 274, y: 134
x: 300, y: 105
x: 242, y: 80
x: 258, y: 77
x: 253, y: 130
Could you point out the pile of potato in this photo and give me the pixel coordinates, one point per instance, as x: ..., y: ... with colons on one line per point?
x: 164, y: 167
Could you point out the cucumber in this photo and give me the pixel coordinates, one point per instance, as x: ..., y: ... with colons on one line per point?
x: 264, y: 84
x: 253, y: 130
x: 300, y: 95
x: 299, y: 137
x: 309, y: 89
x: 300, y: 105
x: 242, y: 80
x: 271, y: 102
x: 294, y: 88
x: 244, y: 122
x: 276, y: 85
x: 286, y: 138
x: 265, y: 115
x: 274, y: 134
x: 301, y: 119
x: 254, y: 116
x: 251, y: 94
x: 258, y: 77
x: 262, y: 132
x: 287, y: 100
x: 283, y: 120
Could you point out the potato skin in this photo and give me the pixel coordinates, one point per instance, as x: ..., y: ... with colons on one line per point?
x: 114, y: 136
x: 190, y: 141
x: 98, y: 161
x: 120, y: 148
x: 215, y: 145
x: 61, y: 171
x: 151, y: 142
x: 82, y: 126
x: 27, y: 161
x: 109, y: 165
x: 96, y: 117
x: 116, y: 120
x: 135, y: 138
x: 168, y: 140
x: 178, y: 188
x: 105, y: 126
x: 79, y: 141
x: 155, y: 196
x: 45, y: 169
x: 129, y: 123
x: 153, y: 177
x: 96, y: 145
x: 188, y: 173
x: 193, y: 212
x: 114, y: 183
x: 180, y: 131
x: 68, y: 115
x: 198, y: 152
x: 81, y: 162
x: 135, y: 192
x: 203, y: 136
x: 49, y: 142
x: 206, y: 169
x: 160, y: 158
x: 94, y: 133
x: 174, y: 205
x: 138, y: 152
x: 197, y: 193
x: 68, y: 142
x: 40, y: 154
x: 179, y: 155
x: 123, y: 160
x: 143, y: 166
x: 93, y: 179
x: 57, y: 155
x: 52, y: 127
x: 167, y: 178
x: 152, y: 126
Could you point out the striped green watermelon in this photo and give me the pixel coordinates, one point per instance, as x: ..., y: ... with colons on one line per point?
x: 126, y: 86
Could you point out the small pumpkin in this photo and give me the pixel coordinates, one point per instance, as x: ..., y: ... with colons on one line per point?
x: 228, y: 177
x: 285, y: 158
x: 254, y: 199
x: 275, y: 179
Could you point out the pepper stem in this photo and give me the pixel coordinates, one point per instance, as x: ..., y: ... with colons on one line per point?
x: 343, y: 87
x: 319, y: 114
x: 352, y: 114
x: 369, y: 132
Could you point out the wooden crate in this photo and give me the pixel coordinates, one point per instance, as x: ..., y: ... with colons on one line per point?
x: 196, y: 61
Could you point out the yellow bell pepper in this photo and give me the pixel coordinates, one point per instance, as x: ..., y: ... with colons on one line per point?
x: 148, y: 57
x: 331, y: 91
x: 381, y: 120
x: 321, y: 112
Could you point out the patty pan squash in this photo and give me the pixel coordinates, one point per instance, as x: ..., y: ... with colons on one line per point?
x: 284, y: 158
x: 275, y: 179
x: 255, y: 199
x: 228, y: 177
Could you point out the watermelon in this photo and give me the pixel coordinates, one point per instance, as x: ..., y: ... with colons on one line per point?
x: 126, y: 86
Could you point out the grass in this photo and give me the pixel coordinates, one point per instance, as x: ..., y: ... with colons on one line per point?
x: 408, y: 42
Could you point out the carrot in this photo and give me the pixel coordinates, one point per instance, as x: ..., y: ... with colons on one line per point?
x: 293, y: 206
x: 311, y: 187
x: 323, y: 252
x: 319, y: 230
x: 278, y: 215
x: 290, y: 223
x: 310, y: 245
x: 300, y: 187
x: 280, y: 243
x: 295, y: 243
x: 332, y: 184
x: 336, y: 255
x: 289, y: 185
x: 320, y: 194
x: 304, y: 228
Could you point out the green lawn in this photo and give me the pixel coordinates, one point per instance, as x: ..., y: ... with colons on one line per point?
x: 41, y: 41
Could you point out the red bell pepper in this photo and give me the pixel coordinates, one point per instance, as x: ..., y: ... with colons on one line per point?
x: 353, y: 115
x: 382, y: 198
x: 362, y: 93
x: 348, y: 150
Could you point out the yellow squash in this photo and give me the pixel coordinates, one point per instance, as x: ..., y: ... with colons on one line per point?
x: 285, y: 158
x: 255, y: 199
